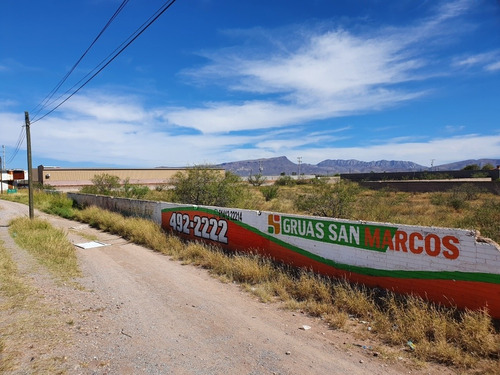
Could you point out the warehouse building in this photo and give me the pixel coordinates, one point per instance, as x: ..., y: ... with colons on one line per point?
x: 73, y: 179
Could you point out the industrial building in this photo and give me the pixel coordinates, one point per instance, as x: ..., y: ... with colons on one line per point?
x: 73, y: 179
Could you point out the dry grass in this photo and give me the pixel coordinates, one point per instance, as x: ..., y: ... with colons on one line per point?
x: 24, y: 317
x: 47, y: 244
x: 465, y: 340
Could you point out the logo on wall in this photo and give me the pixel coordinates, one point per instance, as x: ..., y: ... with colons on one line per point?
x: 274, y: 222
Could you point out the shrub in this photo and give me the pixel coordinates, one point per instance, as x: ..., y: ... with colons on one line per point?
x: 285, y: 181
x: 202, y: 185
x: 485, y: 217
x: 103, y: 184
x: 471, y: 167
x: 269, y: 192
x: 134, y: 191
x: 256, y: 180
x: 330, y: 200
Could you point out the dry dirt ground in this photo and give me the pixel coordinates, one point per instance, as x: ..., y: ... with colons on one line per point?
x: 135, y: 311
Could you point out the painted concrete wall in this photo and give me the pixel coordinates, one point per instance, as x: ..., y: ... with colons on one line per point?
x: 446, y: 265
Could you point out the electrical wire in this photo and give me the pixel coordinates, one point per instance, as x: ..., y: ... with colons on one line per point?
x: 44, y: 103
x: 104, y: 63
x: 20, y: 141
x: 49, y: 96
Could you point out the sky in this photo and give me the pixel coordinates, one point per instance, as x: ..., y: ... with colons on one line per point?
x: 213, y: 81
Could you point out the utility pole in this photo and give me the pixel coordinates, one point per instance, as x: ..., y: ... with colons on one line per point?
x: 1, y: 176
x: 299, y: 160
x: 3, y: 157
x: 30, y: 172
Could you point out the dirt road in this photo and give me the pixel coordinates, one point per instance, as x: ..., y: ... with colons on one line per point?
x: 138, y: 312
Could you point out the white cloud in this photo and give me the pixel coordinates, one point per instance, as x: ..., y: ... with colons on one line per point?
x: 274, y: 97
x: 151, y: 143
x: 442, y: 150
x: 315, y: 75
x: 488, y: 61
x: 493, y: 66
x: 106, y: 107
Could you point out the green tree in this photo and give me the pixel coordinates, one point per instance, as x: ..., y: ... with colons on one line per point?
x: 488, y: 167
x: 471, y: 167
x: 269, y: 192
x: 103, y: 184
x: 285, y: 181
x: 330, y: 200
x: 202, y: 185
x: 256, y: 180
x: 134, y: 191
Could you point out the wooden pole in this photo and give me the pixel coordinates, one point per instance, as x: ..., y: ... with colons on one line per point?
x: 1, y: 176
x: 30, y: 172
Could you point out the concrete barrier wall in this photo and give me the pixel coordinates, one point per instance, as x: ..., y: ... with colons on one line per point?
x: 431, y: 186
x: 446, y: 265
x: 128, y: 207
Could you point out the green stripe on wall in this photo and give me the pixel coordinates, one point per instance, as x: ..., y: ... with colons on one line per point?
x: 400, y: 274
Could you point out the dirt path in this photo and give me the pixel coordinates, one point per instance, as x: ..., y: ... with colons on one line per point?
x: 138, y: 312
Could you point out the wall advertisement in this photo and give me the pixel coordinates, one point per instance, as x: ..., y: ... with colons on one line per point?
x: 441, y: 264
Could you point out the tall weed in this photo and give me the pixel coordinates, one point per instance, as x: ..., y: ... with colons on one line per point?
x: 47, y: 244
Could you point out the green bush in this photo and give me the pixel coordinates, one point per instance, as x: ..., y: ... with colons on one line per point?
x: 330, y: 200
x: 285, y: 181
x: 202, y: 185
x: 102, y: 184
x: 457, y: 197
x: 54, y: 203
x: 269, y: 192
x: 134, y: 191
x: 256, y: 180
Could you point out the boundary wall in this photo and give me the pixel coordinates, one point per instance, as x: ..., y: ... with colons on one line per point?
x: 444, y: 265
x: 431, y: 185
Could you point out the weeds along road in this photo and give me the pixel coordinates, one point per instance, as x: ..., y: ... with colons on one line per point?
x: 137, y: 312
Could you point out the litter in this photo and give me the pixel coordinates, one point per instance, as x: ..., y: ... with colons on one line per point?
x: 411, y: 345
x: 91, y: 244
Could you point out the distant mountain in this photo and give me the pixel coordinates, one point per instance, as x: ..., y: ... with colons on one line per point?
x: 270, y: 167
x: 279, y: 165
x: 462, y: 164
x: 356, y: 166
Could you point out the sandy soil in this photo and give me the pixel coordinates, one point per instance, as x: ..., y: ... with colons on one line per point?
x: 135, y: 311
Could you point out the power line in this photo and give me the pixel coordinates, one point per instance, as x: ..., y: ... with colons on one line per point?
x: 49, y: 96
x: 44, y: 103
x: 105, y: 62
x: 20, y: 141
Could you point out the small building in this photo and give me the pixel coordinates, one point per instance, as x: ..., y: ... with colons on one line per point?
x: 10, y: 179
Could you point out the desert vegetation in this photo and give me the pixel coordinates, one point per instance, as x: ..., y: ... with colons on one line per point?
x: 467, y: 340
x: 462, y: 207
x: 28, y: 313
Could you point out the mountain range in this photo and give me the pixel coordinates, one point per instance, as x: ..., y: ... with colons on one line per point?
x: 280, y: 165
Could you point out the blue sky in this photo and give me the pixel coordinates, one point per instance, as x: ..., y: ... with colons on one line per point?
x: 215, y: 81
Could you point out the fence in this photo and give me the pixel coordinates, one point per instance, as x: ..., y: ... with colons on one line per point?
x: 445, y: 265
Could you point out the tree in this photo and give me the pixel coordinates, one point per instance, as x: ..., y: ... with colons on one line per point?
x: 488, y: 167
x: 329, y: 200
x: 256, y: 180
x: 103, y: 184
x: 134, y: 191
x: 471, y: 167
x: 205, y: 186
x: 285, y: 181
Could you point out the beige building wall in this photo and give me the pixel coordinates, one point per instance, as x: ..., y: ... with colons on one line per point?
x: 72, y: 179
